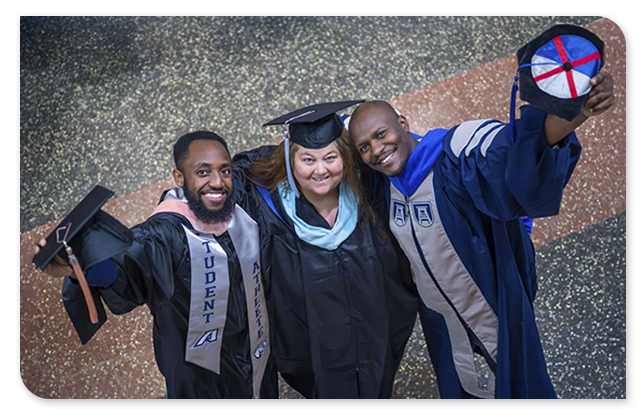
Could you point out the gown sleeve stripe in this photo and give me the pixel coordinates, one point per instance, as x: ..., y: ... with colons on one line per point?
x: 463, y: 134
x: 480, y: 135
x: 489, y: 139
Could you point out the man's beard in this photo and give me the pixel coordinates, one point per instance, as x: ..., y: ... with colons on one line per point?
x: 210, y: 216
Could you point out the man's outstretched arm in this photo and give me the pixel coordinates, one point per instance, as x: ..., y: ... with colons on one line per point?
x: 600, y: 99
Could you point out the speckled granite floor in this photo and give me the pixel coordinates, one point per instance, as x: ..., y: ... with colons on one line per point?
x: 103, y: 99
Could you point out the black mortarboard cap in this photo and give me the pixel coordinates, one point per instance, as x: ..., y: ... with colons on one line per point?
x: 555, y: 69
x: 93, y: 234
x: 315, y: 126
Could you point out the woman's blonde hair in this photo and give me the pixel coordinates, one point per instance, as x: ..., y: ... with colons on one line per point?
x: 269, y: 172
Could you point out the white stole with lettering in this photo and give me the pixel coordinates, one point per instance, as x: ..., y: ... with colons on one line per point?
x: 210, y: 294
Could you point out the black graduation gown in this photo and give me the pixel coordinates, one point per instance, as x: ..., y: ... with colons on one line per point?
x: 339, y: 319
x: 156, y: 271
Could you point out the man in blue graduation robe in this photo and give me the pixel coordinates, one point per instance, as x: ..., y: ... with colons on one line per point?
x: 455, y: 200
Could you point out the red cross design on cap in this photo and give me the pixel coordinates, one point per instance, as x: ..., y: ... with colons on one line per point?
x: 567, y: 66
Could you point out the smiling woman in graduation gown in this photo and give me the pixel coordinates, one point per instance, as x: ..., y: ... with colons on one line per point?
x: 342, y: 306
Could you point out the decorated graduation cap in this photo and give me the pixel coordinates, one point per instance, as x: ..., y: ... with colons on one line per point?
x: 92, y: 234
x: 555, y: 70
x: 313, y: 127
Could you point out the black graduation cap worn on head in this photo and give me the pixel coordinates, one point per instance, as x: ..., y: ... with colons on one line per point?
x: 312, y: 127
x: 556, y: 67
x: 92, y: 234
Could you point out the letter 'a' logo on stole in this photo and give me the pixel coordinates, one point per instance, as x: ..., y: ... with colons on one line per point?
x: 400, y: 214
x: 423, y: 214
x: 209, y: 336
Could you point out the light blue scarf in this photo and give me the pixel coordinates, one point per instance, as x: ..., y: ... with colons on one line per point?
x: 329, y: 239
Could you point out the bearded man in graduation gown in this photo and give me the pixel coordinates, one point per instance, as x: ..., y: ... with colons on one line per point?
x: 196, y: 264
x: 455, y: 200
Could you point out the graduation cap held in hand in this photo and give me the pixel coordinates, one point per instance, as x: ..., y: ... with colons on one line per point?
x: 312, y: 127
x: 556, y: 67
x: 84, y: 238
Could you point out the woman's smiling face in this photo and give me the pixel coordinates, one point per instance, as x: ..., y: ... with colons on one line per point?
x: 318, y: 171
